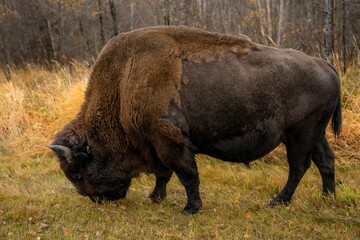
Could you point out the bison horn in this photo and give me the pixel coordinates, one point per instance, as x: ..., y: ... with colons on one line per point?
x: 62, y: 151
x: 88, y: 149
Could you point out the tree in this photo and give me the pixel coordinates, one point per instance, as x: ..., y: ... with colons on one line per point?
x: 262, y: 31
x: 113, y: 17
x: 343, y: 35
x: 101, y: 23
x: 281, y: 23
x: 268, y: 19
x: 4, y: 62
x: 167, y: 12
x: 132, y: 14
x: 329, y: 28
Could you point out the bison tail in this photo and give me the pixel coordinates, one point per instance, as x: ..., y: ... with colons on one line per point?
x: 337, y: 119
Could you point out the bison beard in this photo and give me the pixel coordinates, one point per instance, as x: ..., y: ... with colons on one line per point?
x: 157, y: 96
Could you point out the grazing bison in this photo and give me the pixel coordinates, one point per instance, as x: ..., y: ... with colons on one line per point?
x: 157, y: 96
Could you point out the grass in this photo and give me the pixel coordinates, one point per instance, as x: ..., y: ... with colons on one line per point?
x: 37, y: 202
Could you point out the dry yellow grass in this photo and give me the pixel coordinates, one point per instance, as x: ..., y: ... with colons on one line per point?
x: 36, y: 201
x: 35, y: 103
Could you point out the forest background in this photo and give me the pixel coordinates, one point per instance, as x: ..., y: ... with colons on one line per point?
x: 48, y: 31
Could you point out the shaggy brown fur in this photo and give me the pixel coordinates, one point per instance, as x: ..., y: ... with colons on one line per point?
x: 137, y: 64
x: 143, y: 111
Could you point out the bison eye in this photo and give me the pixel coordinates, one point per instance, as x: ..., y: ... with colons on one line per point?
x: 81, y: 157
x: 76, y: 177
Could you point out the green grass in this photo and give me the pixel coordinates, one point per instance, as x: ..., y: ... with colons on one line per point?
x: 38, y: 202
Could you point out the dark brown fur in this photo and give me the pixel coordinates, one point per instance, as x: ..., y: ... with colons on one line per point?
x: 155, y: 98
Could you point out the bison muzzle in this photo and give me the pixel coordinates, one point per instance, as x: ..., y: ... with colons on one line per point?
x: 157, y: 96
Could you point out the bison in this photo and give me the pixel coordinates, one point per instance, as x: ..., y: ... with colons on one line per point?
x: 157, y: 96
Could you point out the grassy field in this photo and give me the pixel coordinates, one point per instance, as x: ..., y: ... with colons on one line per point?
x: 37, y: 202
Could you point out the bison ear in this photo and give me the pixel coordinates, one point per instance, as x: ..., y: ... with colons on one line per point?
x: 62, y: 151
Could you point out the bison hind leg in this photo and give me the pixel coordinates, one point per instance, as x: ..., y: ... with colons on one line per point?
x: 323, y: 157
x: 159, y: 192
x: 299, y: 160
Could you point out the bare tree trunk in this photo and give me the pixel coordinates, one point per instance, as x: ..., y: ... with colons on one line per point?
x: 262, y: 31
x: 309, y: 15
x: 4, y: 62
x: 239, y: 17
x: 268, y: 16
x: 202, y: 13
x: 183, y: 12
x: 86, y: 43
x: 281, y: 22
x: 343, y: 39
x: 132, y: 14
x: 113, y: 16
x: 54, y: 45
x: 101, y: 23
x: 329, y: 28
x: 215, y: 15
x: 167, y: 12
x: 228, y: 10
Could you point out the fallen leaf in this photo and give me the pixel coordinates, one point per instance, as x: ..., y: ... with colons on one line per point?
x: 33, y: 233
x: 248, y: 215
x: 246, y: 235
x: 43, y: 227
x: 65, y: 231
x: 27, y: 236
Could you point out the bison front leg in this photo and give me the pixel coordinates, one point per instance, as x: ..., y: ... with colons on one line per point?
x: 159, y: 192
x: 181, y: 160
x: 189, y: 177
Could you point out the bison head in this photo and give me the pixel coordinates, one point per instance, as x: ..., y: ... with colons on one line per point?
x: 93, y: 177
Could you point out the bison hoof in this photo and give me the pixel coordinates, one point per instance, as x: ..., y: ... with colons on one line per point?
x: 191, y: 208
x: 277, y: 202
x: 157, y: 197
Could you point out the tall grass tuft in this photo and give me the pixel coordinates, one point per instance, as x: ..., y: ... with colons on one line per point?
x: 35, y: 104
x: 349, y: 143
